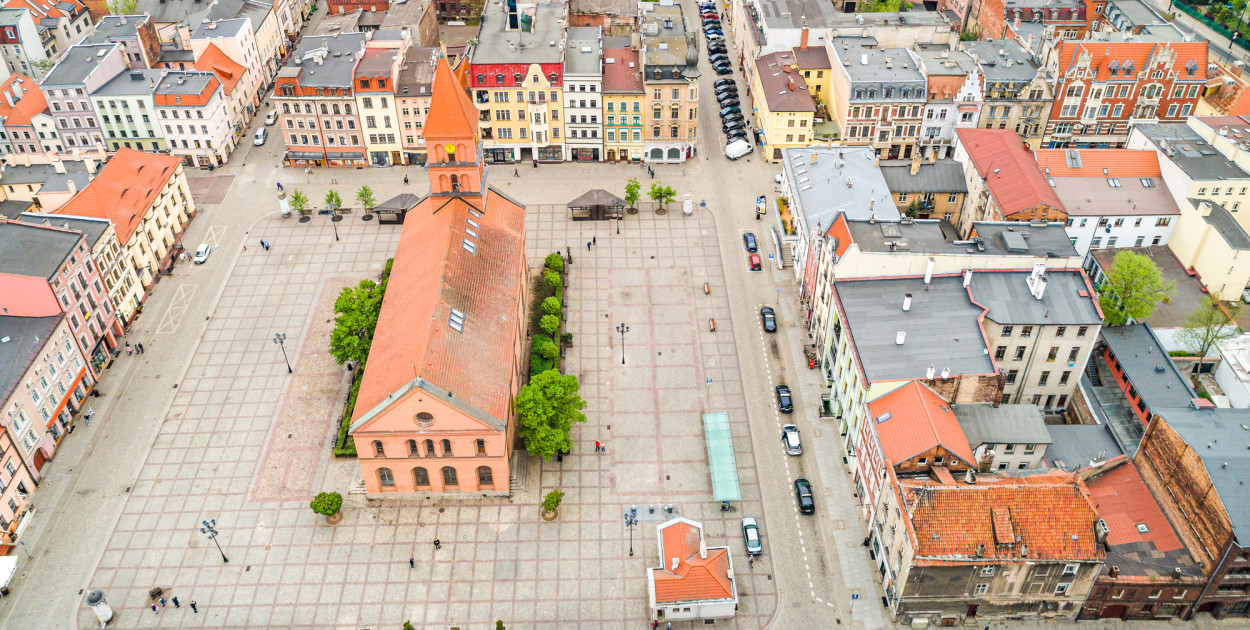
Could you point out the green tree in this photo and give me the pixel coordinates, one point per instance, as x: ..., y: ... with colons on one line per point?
x: 408, y: 626
x: 549, y: 324
x: 499, y: 624
x: 545, y: 347
x: 554, y: 262
x: 123, y: 7
x: 632, y: 189
x: 969, y: 35
x: 358, y: 308
x: 1208, y: 325
x: 333, y: 200
x: 551, y: 278
x: 551, y: 502
x: 327, y: 503
x: 1133, y: 289
x: 883, y: 6
x: 551, y: 305
x: 43, y: 65
x: 547, y: 408
x: 661, y: 194
x: 365, y: 197
x: 299, y: 202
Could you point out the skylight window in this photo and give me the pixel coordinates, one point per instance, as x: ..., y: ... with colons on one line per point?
x: 471, y: 232
x: 456, y: 320
x: 1113, y: 182
x: 475, y: 213
x: 469, y: 246
x: 473, y: 223
x: 1146, y: 182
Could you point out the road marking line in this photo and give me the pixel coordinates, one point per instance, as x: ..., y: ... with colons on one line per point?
x: 177, y: 308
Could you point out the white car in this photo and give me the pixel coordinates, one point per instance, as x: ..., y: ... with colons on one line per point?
x: 790, y: 440
x: 260, y: 137
x: 751, y: 536
x: 201, y: 254
x: 272, y: 117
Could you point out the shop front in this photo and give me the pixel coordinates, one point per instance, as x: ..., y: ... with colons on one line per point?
x: 99, y: 356
x: 498, y: 156
x: 347, y: 158
x: 305, y: 158
x: 550, y: 154
x: 584, y: 155
x: 414, y: 158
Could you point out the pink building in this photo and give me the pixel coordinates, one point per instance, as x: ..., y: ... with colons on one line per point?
x: 16, y: 484
x: 412, y: 96
x: 434, y: 412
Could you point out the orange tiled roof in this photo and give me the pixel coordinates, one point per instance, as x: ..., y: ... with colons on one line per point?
x: 1104, y: 54
x: 452, y: 114
x: 25, y: 82
x: 1051, y: 513
x: 696, y: 577
x: 124, y: 189
x: 1123, y: 500
x: 40, y: 10
x: 1118, y: 162
x: 1007, y: 167
x: 227, y: 70
x: 919, y: 420
x: 31, y: 104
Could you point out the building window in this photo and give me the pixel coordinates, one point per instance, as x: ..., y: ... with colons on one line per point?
x: 377, y: 448
x: 1070, y: 568
x: 1063, y: 378
x: 982, y: 588
x: 481, y: 448
x: 1026, y: 331
x: 449, y: 476
x: 420, y: 477
x: 485, y: 477
x: 987, y: 571
x: 1011, y: 376
x: 1062, y: 588
x: 446, y: 448
x: 1009, y: 448
x: 1006, y: 331
x: 385, y: 478
x: 1043, y: 378
x: 413, y: 451
x: 1080, y: 332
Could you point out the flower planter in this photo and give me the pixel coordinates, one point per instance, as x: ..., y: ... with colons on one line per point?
x: 551, y: 516
x: 334, y: 519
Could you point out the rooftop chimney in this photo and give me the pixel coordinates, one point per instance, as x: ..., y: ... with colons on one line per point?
x: 967, y: 277
x: 1037, y: 281
x: 928, y: 273
x: 915, y: 163
x: 907, y: 302
x: 929, y: 372
x: 946, y: 372
x: 900, y: 338
x: 58, y: 165
x: 73, y: 188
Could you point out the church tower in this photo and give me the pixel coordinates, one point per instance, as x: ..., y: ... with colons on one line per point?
x: 453, y: 145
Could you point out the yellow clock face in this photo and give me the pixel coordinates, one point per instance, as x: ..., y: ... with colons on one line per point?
x: 451, y: 148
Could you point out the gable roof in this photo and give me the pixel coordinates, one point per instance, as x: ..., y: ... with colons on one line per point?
x: 31, y: 104
x: 124, y: 189
x: 701, y: 573
x: 918, y: 420
x: 1105, y: 56
x: 1007, y: 166
x: 452, y: 114
x: 26, y: 82
x: 219, y: 63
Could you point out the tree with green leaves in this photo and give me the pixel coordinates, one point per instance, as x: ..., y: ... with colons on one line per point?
x: 551, y: 502
x: 554, y: 262
x: 365, y: 197
x: 632, y: 195
x: 547, y: 408
x: 1208, y: 325
x: 358, y: 308
x: 43, y: 66
x: 123, y: 7
x: 883, y: 6
x: 545, y: 347
x: 551, y: 278
x: 333, y: 200
x: 327, y: 503
x: 661, y: 194
x: 1133, y: 289
x: 299, y: 202
x: 408, y: 626
x: 549, y: 324
x: 551, y: 305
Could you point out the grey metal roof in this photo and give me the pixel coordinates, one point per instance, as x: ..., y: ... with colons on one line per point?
x: 416, y: 73
x: 1135, y: 11
x: 941, y: 327
x: 1002, y: 60
x: 1219, y: 437
x: 939, y: 62
x: 1181, y: 144
x: 984, y: 423
x: 59, y: 182
x: 220, y: 28
x: 338, y: 54
x: 376, y: 62
x: 347, y: 22
x: 36, y: 173
x: 1076, y: 445
x: 923, y: 236
x: 26, y: 337
x: 1006, y: 295
x: 1148, y: 367
x: 1224, y: 223
x: 192, y: 12
x: 182, y: 83
x: 12, y: 208
x: 918, y: 16
x: 540, y: 45
x: 77, y: 64
x: 10, y: 17
x: 822, y: 189
x: 131, y: 83
x: 942, y: 176
x: 114, y: 27
x: 583, y: 51
x: 624, y: 8
x: 793, y: 13
x: 92, y: 229
x: 893, y: 65
x: 1041, y: 240
x: 400, y: 14
x: 1094, y: 196
x: 664, y: 44
x: 27, y: 250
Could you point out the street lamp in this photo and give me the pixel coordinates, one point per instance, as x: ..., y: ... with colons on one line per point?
x: 210, y: 529
x: 280, y: 339
x: 622, y: 329
x: 631, y: 521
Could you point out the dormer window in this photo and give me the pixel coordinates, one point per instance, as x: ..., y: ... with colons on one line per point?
x: 554, y: 78
x: 499, y: 78
x: 516, y: 78
x: 1191, y: 68
x: 481, y: 78
x: 364, y: 83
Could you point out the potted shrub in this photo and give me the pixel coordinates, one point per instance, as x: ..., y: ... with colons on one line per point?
x: 329, y: 505
x: 551, y: 504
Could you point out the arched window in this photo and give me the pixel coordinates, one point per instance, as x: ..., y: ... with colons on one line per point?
x: 499, y: 78
x: 412, y: 449
x: 485, y: 477
x: 377, y: 448
x: 462, y: 152
x: 455, y: 184
x: 286, y: 108
x: 555, y: 77
x: 446, y: 448
x: 449, y: 476
x: 481, y: 78
x: 465, y: 184
x: 429, y: 448
x: 444, y: 183
x: 347, y: 109
x: 336, y: 109
x: 386, y: 478
x: 421, y: 477
x: 324, y: 109
x: 516, y: 78
x: 307, y: 108
x: 481, y: 448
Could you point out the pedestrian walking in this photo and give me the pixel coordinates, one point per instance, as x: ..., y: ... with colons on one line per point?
x: 154, y: 611
x: 670, y: 626
x: 516, y: 172
x: 587, y: 245
x: 438, y: 544
x: 141, y: 350
x: 162, y: 602
x: 594, y: 240
x: 176, y: 604
x: 751, y: 560
x: 193, y: 608
x: 597, y: 446
x: 412, y: 563
x: 405, y: 179
x: 655, y: 623
x: 90, y: 412
x: 129, y: 350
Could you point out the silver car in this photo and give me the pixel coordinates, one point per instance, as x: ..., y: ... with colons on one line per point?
x: 751, y: 536
x: 201, y: 254
x: 790, y: 440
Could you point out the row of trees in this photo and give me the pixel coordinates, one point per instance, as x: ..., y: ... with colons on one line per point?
x: 364, y: 196
x: 659, y: 193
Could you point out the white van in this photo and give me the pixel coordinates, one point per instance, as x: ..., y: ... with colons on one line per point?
x: 737, y: 149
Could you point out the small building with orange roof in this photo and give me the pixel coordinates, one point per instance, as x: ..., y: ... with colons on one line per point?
x: 693, y: 581
x: 1004, y: 182
x: 191, y: 106
x: 146, y: 197
x: 976, y: 548
x: 29, y: 124
x: 434, y: 410
x: 1225, y: 93
x: 231, y: 75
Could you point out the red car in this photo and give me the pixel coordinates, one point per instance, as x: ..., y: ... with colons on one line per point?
x: 754, y: 260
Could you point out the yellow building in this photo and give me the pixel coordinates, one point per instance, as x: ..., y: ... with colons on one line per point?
x: 813, y: 64
x: 785, y: 111
x: 623, y: 97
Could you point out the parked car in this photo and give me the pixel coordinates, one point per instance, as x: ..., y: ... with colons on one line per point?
x: 769, y: 318
x: 719, y: 59
x: 751, y: 536
x: 731, y: 117
x: 260, y: 137
x: 731, y: 100
x: 749, y: 239
x: 737, y: 135
x: 714, y: 37
x: 730, y: 110
x: 735, y: 149
x: 736, y: 124
x: 803, y: 492
x: 728, y: 88
x: 717, y: 49
x: 790, y: 440
x: 271, y: 117
x: 201, y: 253
x: 754, y: 261
x: 710, y: 32
x: 711, y: 22
x: 722, y: 70
x: 722, y: 82
x: 784, y: 403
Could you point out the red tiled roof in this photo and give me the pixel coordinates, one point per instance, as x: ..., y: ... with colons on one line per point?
x: 40, y: 10
x: 452, y: 114
x: 25, y: 82
x: 1007, y: 167
x: 618, y: 76
x: 920, y: 419
x: 1123, y: 500
x: 841, y: 231
x: 31, y: 104
x: 227, y: 70
x: 696, y: 578
x: 124, y: 189
x: 27, y: 296
x: 1051, y: 513
x: 1141, y: 54
x: 1118, y: 162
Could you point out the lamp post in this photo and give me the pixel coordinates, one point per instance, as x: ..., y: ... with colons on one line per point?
x: 280, y: 339
x: 631, y: 521
x: 622, y: 329
x: 335, y: 217
x: 210, y: 529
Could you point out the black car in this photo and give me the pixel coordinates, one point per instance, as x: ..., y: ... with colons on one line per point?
x: 749, y: 239
x: 719, y: 83
x: 711, y: 20
x: 722, y: 70
x: 730, y: 87
x: 803, y: 492
x: 737, y: 134
x: 729, y: 126
x: 730, y: 110
x: 719, y: 59
x: 769, y: 319
x: 783, y: 399
x: 731, y: 118
x: 730, y: 101
x: 717, y: 49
